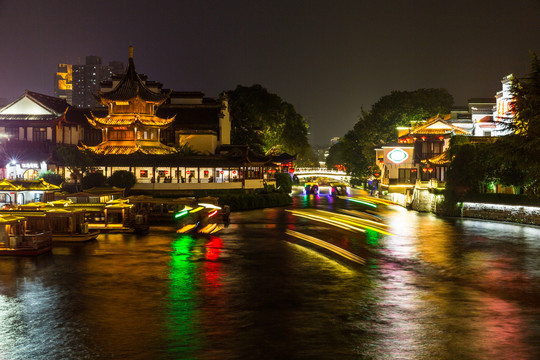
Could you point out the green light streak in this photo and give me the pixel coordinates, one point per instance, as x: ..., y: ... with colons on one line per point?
x: 181, y: 310
x: 180, y: 214
x: 363, y: 202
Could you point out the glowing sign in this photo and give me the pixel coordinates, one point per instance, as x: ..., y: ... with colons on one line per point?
x: 397, y: 156
x: 29, y: 165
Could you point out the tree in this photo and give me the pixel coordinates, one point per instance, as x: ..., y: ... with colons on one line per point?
x: 284, y: 182
x: 77, y: 161
x: 51, y: 178
x: 356, y: 150
x: 522, y: 147
x: 122, y: 179
x: 266, y: 123
x: 93, y: 179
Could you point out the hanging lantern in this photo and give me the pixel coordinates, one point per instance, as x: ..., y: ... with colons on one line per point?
x: 291, y: 170
x: 424, y: 169
x: 221, y: 172
x: 423, y: 138
x: 441, y: 138
x: 234, y: 172
x: 430, y: 170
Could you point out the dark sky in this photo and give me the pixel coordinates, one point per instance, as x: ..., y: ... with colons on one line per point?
x: 327, y: 58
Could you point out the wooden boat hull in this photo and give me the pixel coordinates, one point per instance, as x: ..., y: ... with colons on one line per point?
x: 24, y: 252
x: 75, y: 237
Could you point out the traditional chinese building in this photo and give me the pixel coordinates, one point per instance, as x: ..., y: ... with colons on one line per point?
x: 131, y: 125
x: 30, y: 128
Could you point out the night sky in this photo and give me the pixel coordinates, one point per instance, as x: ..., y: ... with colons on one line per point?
x: 327, y: 58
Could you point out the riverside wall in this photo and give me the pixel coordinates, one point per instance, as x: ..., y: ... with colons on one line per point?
x: 425, y: 201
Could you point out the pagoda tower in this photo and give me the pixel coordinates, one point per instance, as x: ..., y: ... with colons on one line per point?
x: 131, y: 125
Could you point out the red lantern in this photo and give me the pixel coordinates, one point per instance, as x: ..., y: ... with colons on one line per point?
x: 441, y: 138
x: 188, y: 172
x: 413, y: 170
x: 423, y: 138
x: 234, y: 172
x: 424, y: 169
x: 291, y: 170
x: 221, y: 172
x: 430, y: 170
x: 205, y: 172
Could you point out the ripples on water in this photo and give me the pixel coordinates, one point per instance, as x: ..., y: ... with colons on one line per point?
x: 438, y: 289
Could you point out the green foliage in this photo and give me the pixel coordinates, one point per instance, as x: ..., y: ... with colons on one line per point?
x: 122, y: 179
x: 477, y: 166
x: 95, y: 179
x: 266, y: 123
x: 356, y: 150
x: 78, y: 161
x: 51, y: 178
x: 284, y: 182
x: 522, y: 147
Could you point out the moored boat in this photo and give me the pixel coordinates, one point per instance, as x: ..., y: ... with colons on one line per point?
x: 16, y: 240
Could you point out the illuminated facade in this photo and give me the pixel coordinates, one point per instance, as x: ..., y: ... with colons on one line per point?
x: 419, y: 155
x: 63, y: 83
x: 169, y: 140
x: 503, y: 112
x: 131, y: 124
x: 30, y: 128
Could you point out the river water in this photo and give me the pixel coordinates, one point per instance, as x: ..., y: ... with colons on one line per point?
x: 436, y: 289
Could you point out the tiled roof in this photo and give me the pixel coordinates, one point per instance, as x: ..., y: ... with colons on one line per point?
x: 123, y: 120
x: 26, y: 185
x: 132, y: 147
x: 59, y: 105
x: 441, y: 159
x: 130, y: 87
x: 444, y: 129
x: 194, y: 117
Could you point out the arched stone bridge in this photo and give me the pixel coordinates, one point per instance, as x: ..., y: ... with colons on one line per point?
x: 341, y: 176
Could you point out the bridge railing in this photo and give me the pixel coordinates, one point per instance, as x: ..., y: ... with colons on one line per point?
x: 319, y: 171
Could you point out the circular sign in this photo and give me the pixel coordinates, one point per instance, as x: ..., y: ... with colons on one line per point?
x: 397, y: 156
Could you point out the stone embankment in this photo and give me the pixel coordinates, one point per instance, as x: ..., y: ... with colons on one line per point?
x: 425, y: 201
x: 511, y: 213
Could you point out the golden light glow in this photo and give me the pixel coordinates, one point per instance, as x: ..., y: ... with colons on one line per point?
x: 342, y: 221
x: 335, y: 249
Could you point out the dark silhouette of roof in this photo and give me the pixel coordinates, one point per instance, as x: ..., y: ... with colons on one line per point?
x: 132, y: 86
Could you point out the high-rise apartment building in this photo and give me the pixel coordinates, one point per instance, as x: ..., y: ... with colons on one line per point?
x: 63, y: 86
x: 79, y: 83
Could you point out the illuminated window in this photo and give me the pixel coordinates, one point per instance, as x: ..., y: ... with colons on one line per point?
x: 13, y: 133
x: 39, y: 135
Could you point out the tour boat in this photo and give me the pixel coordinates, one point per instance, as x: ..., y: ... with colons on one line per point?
x: 16, y: 240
